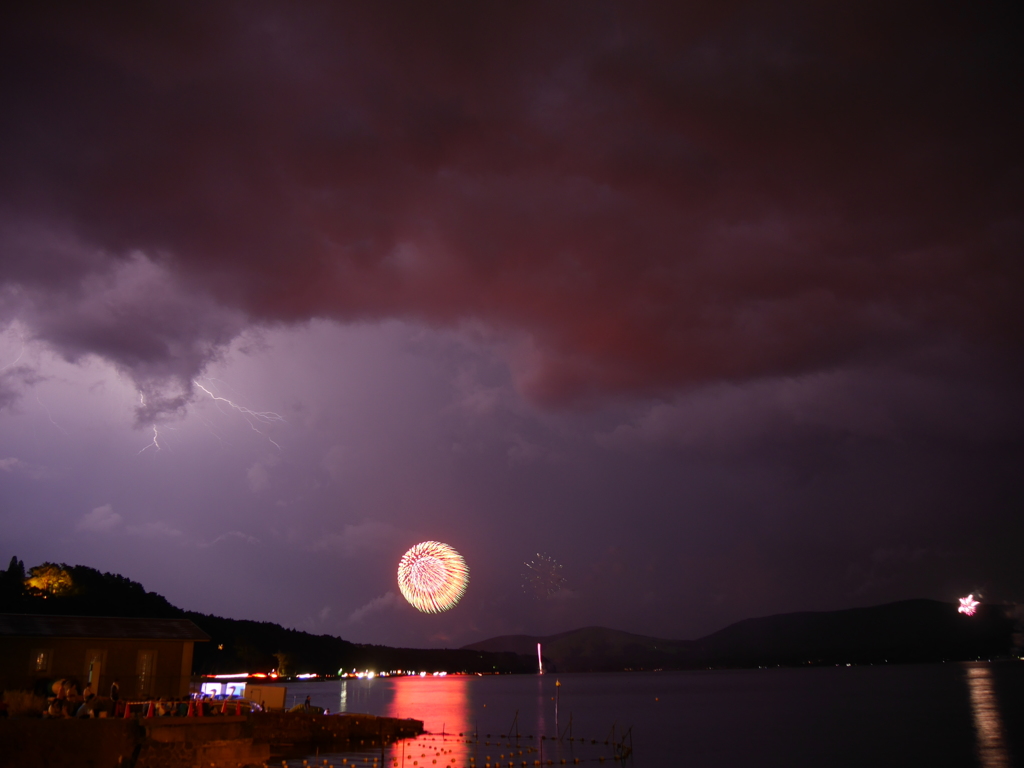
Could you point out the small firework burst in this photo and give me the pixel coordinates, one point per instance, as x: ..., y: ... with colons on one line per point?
x: 543, y: 577
x: 968, y: 605
x: 432, y: 577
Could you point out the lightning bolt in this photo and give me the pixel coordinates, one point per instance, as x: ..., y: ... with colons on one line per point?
x: 15, y: 361
x: 155, y: 443
x: 50, y: 415
x: 251, y: 416
x: 156, y: 440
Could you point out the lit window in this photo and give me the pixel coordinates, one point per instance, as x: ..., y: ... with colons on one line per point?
x: 144, y: 667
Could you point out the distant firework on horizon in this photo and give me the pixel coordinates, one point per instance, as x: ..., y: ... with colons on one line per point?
x: 543, y: 577
x: 432, y: 577
x: 968, y: 605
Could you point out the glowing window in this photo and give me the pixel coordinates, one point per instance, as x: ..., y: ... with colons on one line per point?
x: 41, y: 659
x: 144, y: 668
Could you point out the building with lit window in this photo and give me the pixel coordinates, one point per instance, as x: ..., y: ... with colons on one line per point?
x: 148, y: 657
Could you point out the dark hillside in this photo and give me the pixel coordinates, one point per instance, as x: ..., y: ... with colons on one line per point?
x: 911, y: 630
x: 597, y: 649
x: 236, y: 645
x: 908, y: 631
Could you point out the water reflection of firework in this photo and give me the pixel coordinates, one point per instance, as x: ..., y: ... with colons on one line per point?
x: 543, y: 577
x: 432, y: 577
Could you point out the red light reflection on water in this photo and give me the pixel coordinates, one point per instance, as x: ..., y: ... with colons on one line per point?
x: 443, y: 706
x: 442, y: 703
x: 988, y: 724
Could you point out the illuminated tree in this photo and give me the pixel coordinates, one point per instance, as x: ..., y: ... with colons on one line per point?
x: 48, y: 580
x: 285, y: 663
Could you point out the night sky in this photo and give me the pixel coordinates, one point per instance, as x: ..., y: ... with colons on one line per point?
x: 717, y: 305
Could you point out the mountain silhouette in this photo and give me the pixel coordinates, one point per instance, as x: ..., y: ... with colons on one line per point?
x: 905, y: 631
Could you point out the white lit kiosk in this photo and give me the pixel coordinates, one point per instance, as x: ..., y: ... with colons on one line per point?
x: 237, y: 686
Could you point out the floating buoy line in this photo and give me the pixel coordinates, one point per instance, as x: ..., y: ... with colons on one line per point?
x: 434, y: 750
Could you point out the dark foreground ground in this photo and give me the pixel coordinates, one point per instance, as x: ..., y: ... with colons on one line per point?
x: 176, y: 742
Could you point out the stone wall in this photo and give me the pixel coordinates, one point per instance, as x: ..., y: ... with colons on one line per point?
x: 301, y: 728
x: 179, y: 742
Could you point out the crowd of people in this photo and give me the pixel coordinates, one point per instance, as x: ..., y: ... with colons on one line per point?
x: 67, y: 701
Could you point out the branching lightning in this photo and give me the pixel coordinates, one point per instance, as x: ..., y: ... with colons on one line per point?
x: 155, y: 443
x: 251, y: 416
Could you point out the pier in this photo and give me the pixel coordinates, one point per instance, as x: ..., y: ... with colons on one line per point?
x: 224, y: 741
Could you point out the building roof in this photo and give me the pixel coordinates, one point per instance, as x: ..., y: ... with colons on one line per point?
x: 34, y: 625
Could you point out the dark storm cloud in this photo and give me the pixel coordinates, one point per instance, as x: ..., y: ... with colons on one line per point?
x: 859, y: 404
x: 646, y: 196
x: 134, y: 314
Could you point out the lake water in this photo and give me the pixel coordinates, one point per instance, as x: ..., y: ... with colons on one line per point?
x: 891, y: 715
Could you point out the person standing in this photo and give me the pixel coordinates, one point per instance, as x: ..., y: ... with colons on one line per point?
x: 60, y: 700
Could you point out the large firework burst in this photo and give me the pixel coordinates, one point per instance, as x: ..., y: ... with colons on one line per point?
x: 432, y: 577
